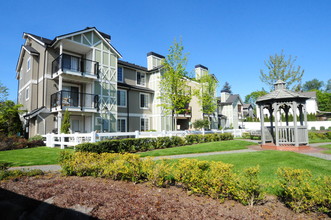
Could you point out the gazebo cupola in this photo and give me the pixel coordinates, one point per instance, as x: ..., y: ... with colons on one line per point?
x: 282, y: 104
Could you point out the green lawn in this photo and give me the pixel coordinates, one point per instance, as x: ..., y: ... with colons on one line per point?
x: 200, y: 148
x: 31, y: 156
x: 326, y: 147
x: 313, y: 141
x: 269, y: 161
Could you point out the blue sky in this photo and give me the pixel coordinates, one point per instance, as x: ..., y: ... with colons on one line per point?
x: 231, y: 37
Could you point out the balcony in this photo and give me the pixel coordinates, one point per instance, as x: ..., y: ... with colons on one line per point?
x: 75, y: 65
x: 185, y: 113
x: 74, y: 101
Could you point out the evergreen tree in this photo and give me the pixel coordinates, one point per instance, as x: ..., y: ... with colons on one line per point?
x: 226, y: 88
x: 65, y: 126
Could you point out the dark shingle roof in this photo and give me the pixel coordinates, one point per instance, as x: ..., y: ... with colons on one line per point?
x: 132, y: 65
x: 155, y: 54
x: 231, y: 99
x: 30, y: 49
x: 42, y: 39
x: 201, y: 66
x: 137, y: 88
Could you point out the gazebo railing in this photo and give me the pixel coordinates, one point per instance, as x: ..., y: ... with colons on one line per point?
x: 286, y: 134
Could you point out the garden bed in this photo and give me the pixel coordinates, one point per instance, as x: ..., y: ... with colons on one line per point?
x: 108, y: 199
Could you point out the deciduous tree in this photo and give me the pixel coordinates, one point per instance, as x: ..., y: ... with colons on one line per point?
x: 175, y: 92
x: 3, y: 92
x: 278, y: 67
x: 252, y: 97
x: 10, y: 123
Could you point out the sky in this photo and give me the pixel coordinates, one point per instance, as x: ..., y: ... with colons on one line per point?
x: 232, y: 38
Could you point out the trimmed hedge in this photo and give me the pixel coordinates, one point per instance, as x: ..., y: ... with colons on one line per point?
x: 133, y: 145
x: 319, y: 135
x: 296, y: 188
x: 15, y: 142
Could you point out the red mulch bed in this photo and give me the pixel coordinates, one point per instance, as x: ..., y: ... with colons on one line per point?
x: 108, y: 199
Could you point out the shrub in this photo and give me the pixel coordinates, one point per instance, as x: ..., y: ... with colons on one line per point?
x: 159, y: 173
x: 8, y: 174
x: 322, y: 128
x: 249, y: 189
x: 246, y: 135
x: 313, y: 129
x: 296, y: 191
x: 199, y: 124
x: 329, y: 128
x: 4, y: 165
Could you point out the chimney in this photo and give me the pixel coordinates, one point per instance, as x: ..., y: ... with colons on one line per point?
x: 224, y: 96
x: 200, y: 70
x: 154, y: 60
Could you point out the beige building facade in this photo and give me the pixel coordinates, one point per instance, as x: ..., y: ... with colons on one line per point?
x: 81, y: 72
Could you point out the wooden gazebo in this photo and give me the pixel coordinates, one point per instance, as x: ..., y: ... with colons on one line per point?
x: 281, y: 103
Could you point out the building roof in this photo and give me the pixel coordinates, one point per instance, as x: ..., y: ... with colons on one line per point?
x: 231, y: 99
x: 201, y: 66
x: 30, y: 50
x: 41, y: 39
x: 137, y: 88
x: 155, y: 54
x: 132, y: 65
x: 36, y: 112
x: 280, y: 93
x: 311, y: 94
x: 246, y: 105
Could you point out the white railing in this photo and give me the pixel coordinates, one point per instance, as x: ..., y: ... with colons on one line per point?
x: 67, y: 140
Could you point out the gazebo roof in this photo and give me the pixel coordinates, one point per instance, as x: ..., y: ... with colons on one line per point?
x: 281, y: 92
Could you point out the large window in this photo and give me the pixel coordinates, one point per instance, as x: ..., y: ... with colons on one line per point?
x: 120, y: 74
x: 141, y: 79
x: 144, y: 124
x: 144, y: 100
x: 121, y: 98
x: 121, y: 124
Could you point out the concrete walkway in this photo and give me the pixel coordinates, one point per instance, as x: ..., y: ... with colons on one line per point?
x: 254, y: 148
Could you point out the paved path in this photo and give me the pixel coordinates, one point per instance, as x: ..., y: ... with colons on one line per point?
x: 57, y: 168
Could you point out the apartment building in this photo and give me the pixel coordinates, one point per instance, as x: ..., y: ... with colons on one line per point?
x: 81, y: 72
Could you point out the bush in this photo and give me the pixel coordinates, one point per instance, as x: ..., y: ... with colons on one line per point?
x: 329, y: 128
x: 322, y: 128
x: 249, y: 189
x: 199, y: 124
x: 15, y: 142
x: 8, y: 174
x: 246, y: 135
x: 313, y: 129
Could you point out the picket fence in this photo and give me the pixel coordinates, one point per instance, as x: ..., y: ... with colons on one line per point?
x: 69, y: 140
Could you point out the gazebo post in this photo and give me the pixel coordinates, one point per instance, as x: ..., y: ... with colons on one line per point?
x: 262, y: 124
x: 271, y: 123
x: 296, y: 140
x: 275, y: 107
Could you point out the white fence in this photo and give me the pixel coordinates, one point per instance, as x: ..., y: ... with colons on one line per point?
x: 67, y: 140
x: 316, y: 124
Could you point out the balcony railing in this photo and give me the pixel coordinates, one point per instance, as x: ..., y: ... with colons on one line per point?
x: 67, y: 63
x: 74, y: 99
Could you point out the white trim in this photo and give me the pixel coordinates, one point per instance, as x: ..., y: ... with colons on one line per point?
x: 28, y: 84
x: 126, y: 125
x: 122, y: 114
x: 27, y: 93
x: 125, y: 95
x: 148, y: 100
x: 122, y: 74
x: 40, y: 42
x: 137, y: 78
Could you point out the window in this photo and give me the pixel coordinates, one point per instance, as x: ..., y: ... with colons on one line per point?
x: 144, y: 100
x: 27, y: 93
x: 121, y: 98
x: 141, y: 79
x: 121, y: 124
x: 28, y: 64
x: 144, y: 124
x: 120, y: 74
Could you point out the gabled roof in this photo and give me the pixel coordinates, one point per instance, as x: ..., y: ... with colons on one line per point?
x: 231, y: 99
x: 25, y: 49
x: 47, y: 42
x: 245, y: 105
x: 311, y: 94
x: 36, y: 112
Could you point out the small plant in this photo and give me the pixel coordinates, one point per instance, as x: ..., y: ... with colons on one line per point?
x: 199, y: 124
x: 65, y: 126
x: 322, y: 128
x: 313, y: 129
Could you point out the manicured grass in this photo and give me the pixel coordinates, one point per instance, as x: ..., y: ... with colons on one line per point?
x: 326, y: 147
x: 200, y: 148
x: 31, y: 156
x: 270, y: 161
x: 314, y: 141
